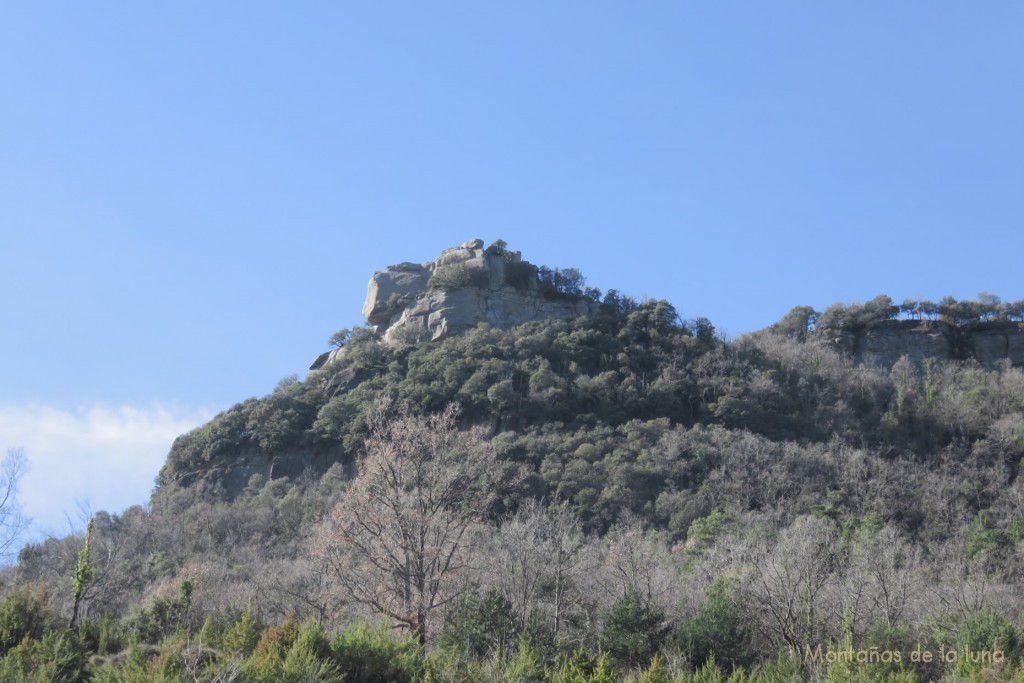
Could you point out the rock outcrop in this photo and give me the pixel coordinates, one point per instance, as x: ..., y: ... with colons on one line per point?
x: 987, y: 343
x: 470, y: 284
x: 463, y: 287
x: 394, y: 289
x: 995, y: 343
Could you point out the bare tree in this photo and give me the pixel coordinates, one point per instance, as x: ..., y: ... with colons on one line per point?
x: 398, y: 541
x: 12, y: 522
x: 539, y: 559
x: 564, y: 545
x: 787, y: 581
x: 959, y: 585
x: 637, y: 559
x: 518, y: 557
x: 892, y: 564
x: 299, y: 586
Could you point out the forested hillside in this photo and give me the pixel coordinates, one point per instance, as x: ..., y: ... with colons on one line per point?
x: 621, y: 495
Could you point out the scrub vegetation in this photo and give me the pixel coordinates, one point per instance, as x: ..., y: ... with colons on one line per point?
x: 623, y: 496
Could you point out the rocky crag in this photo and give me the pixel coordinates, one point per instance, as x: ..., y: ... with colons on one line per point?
x: 463, y: 287
x: 988, y: 343
x: 470, y: 284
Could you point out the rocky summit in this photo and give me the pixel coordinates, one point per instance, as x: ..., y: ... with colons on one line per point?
x: 463, y: 287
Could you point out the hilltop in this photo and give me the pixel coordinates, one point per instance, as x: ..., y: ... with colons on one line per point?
x: 505, y: 459
x: 464, y: 287
x: 519, y: 346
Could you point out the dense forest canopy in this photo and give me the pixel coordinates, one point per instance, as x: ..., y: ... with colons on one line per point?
x: 619, y: 494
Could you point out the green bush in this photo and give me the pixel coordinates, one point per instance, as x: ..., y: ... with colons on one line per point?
x: 57, y: 656
x: 458, y: 276
x: 719, y: 630
x: 583, y: 667
x: 293, y: 653
x: 520, y: 274
x: 561, y: 283
x: 526, y: 666
x: 633, y: 631
x: 369, y: 654
x: 103, y: 636
x: 480, y: 625
x: 984, y: 633
x: 25, y: 612
x: 164, y: 616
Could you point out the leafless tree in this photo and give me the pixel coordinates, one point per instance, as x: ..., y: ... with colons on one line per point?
x: 892, y: 564
x: 787, y: 581
x: 518, y: 557
x: 881, y: 580
x: 564, y: 544
x: 398, y: 540
x: 12, y: 522
x: 544, y: 565
x: 299, y: 586
x: 959, y: 585
x: 638, y: 558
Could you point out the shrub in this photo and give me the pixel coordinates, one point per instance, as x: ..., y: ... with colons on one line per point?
x: 458, y: 276
x: 585, y: 668
x: 984, y: 633
x: 561, y: 283
x: 243, y: 636
x: 371, y: 655
x: 24, y: 613
x: 480, y: 625
x: 718, y: 630
x: 292, y: 653
x: 520, y: 274
x: 164, y: 616
x: 633, y: 632
x: 57, y: 656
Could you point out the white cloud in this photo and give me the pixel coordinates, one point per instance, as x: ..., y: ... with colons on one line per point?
x: 105, y: 457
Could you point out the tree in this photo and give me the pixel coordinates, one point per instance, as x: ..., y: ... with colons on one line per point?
x: 719, y: 630
x: 518, y: 557
x: 340, y: 338
x: 481, y: 624
x: 633, y: 630
x: 12, y: 522
x: 569, y: 281
x: 564, y: 543
x: 83, y: 575
x: 797, y: 323
x: 398, y: 541
x: 893, y: 565
x: 537, y: 561
x: 911, y: 308
x: 786, y: 582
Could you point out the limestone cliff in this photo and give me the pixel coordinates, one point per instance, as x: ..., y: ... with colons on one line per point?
x: 987, y: 343
x: 463, y: 287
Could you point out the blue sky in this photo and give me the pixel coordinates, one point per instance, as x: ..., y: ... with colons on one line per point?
x: 193, y: 195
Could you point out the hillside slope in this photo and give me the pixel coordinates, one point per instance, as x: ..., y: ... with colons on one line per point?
x: 613, y: 474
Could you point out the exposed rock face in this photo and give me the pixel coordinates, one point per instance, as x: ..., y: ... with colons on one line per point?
x: 886, y: 344
x: 464, y: 286
x: 987, y: 343
x: 997, y: 343
x: 389, y: 292
x: 469, y: 284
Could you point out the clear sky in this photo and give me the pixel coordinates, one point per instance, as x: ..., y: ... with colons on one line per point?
x: 193, y: 195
